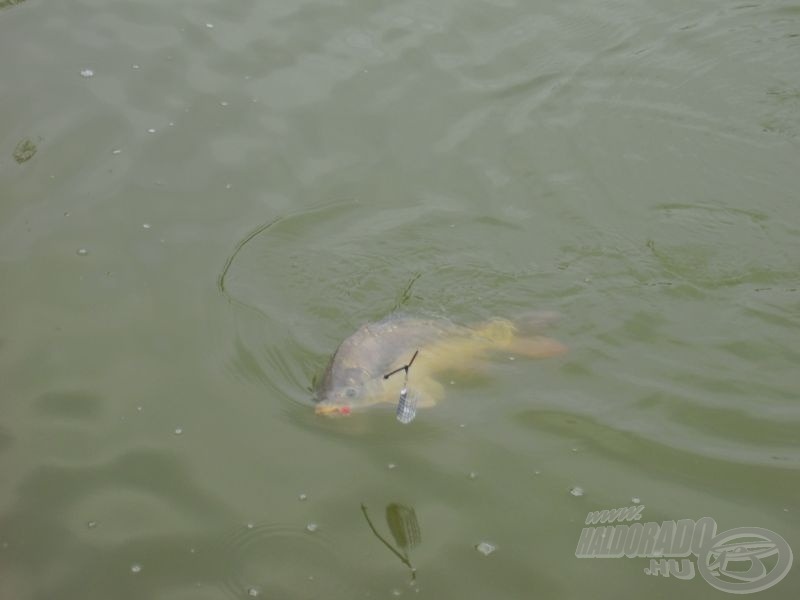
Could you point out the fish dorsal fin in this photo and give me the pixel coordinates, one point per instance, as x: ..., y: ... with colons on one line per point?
x: 499, y: 332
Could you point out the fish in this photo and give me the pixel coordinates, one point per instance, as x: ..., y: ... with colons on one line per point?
x: 356, y: 375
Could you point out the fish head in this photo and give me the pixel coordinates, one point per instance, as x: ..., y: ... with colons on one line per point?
x: 339, y: 401
x: 343, y: 390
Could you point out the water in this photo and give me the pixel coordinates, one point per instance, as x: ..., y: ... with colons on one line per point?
x: 187, y: 234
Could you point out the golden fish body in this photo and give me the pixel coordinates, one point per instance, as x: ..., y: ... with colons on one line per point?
x: 355, y: 379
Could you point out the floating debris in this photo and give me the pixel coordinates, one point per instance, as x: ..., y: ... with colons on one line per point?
x: 636, y: 500
x: 253, y: 592
x: 473, y: 475
x: 250, y: 525
x: 116, y: 151
x: 485, y: 548
x: 4, y: 3
x: 136, y: 568
x: 91, y: 524
x: 224, y: 103
x: 24, y: 151
x: 391, y: 466
x: 151, y: 130
x: 577, y: 491
x: 312, y: 527
x: 178, y: 430
x: 146, y: 225
x: 87, y: 73
x: 81, y: 252
x: 136, y: 67
x: 209, y: 26
x: 302, y: 497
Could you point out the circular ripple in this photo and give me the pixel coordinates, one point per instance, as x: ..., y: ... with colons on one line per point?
x: 307, y: 281
x: 268, y: 558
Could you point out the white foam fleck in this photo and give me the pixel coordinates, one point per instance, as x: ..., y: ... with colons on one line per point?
x: 87, y: 73
x: 485, y: 548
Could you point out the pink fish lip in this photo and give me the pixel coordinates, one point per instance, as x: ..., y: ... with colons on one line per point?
x: 329, y: 410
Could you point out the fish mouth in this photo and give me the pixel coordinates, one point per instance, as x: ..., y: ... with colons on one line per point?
x: 331, y: 410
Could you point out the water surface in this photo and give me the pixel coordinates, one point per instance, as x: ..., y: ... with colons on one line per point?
x: 221, y: 192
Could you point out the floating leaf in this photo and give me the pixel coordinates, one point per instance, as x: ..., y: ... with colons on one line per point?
x: 5, y: 3
x: 403, y: 525
x: 25, y: 149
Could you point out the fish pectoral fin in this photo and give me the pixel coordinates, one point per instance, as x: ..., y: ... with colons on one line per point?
x: 537, y: 347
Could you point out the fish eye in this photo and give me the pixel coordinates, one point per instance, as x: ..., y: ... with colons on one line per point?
x: 350, y: 392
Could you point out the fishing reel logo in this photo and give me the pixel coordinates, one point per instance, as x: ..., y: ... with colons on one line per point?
x: 743, y: 560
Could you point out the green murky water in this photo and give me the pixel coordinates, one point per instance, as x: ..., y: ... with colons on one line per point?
x: 630, y: 165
